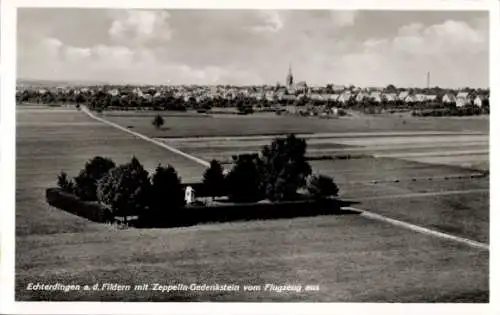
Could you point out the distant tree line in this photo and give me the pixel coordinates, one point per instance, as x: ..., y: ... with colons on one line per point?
x: 452, y: 111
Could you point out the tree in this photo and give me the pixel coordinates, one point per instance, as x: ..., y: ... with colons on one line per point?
x: 243, y: 182
x: 321, y: 186
x: 284, y: 167
x: 166, y: 190
x: 64, y: 183
x: 86, y: 181
x: 214, y: 179
x: 125, y: 189
x: 158, y: 121
x: 391, y: 89
x: 244, y: 107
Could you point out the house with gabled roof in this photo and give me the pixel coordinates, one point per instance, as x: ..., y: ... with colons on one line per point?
x: 403, y: 95
x: 463, y: 98
x: 345, y: 97
x: 448, y: 98
x: 410, y: 99
x: 390, y: 97
x: 376, y: 96
x: 361, y: 96
x: 479, y: 100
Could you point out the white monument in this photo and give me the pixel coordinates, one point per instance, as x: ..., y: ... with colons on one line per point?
x: 189, y: 195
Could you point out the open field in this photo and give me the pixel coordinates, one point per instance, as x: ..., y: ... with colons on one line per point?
x: 339, y: 253
x: 351, y: 258
x: 392, y: 170
x: 271, y: 124
x: 466, y: 149
x: 51, y: 141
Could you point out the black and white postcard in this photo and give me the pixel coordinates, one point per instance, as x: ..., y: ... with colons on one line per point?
x: 248, y: 152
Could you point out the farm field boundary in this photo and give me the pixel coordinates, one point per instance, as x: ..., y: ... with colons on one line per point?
x: 143, y: 137
x: 428, y: 194
x: 328, y: 135
x: 419, y: 229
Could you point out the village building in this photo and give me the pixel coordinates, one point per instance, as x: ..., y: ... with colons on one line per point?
x: 410, y: 99
x: 390, y: 97
x: 333, y: 97
x: 376, y: 96
x: 362, y: 96
x: 463, y: 99
x: 345, y: 97
x: 479, y: 100
x: 431, y: 98
x: 403, y: 95
x: 449, y: 98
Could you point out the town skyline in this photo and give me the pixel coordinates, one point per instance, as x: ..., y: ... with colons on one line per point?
x: 254, y: 47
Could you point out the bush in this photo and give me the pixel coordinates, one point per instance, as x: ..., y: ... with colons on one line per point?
x: 321, y: 186
x: 214, y: 180
x: 158, y: 121
x: 166, y: 191
x: 125, y: 189
x: 64, y: 183
x: 86, y: 181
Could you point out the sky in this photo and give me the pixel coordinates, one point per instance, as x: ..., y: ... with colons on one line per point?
x: 364, y: 48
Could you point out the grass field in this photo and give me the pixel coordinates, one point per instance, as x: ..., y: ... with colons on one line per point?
x: 55, y: 140
x: 270, y: 124
x: 351, y: 258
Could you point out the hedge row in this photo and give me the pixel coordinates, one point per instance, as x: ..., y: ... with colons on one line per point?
x: 193, y: 215
x: 91, y: 210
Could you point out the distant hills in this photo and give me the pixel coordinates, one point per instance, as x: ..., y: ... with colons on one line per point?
x: 52, y: 83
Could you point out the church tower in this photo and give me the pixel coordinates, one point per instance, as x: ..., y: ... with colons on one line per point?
x: 289, y: 78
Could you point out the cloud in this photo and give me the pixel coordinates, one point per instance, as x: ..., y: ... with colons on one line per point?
x: 343, y: 18
x: 256, y: 46
x: 445, y: 38
x: 442, y: 48
x: 411, y: 29
x: 271, y: 22
x: 141, y: 26
x: 114, y: 63
x: 76, y: 54
x: 50, y: 47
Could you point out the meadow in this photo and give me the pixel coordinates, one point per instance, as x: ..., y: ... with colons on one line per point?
x: 51, y: 141
x: 351, y: 258
x: 271, y: 124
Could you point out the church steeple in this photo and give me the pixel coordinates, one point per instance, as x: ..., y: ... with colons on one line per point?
x: 289, y: 77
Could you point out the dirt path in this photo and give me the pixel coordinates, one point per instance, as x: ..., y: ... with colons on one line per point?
x: 148, y: 139
x: 420, y: 229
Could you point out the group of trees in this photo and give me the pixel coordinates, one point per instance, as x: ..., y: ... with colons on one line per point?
x: 127, y: 189
x: 276, y: 174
